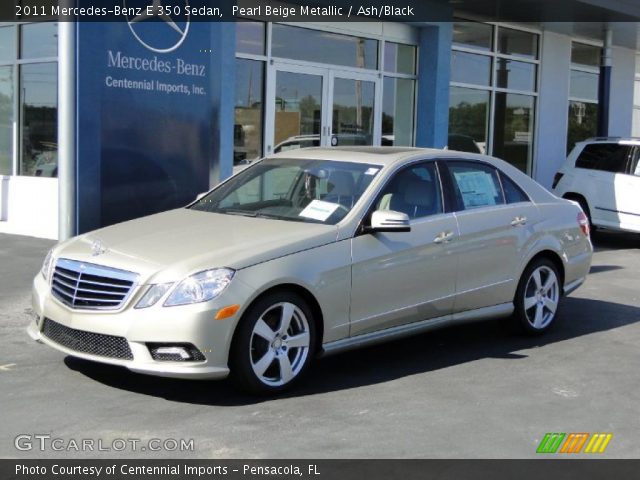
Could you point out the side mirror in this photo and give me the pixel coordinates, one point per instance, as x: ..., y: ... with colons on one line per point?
x: 389, y: 221
x: 200, y: 195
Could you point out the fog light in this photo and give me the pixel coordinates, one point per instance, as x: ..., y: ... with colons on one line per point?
x: 176, y: 352
x: 171, y: 351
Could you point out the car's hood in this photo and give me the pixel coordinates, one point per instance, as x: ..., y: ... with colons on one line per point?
x: 179, y: 242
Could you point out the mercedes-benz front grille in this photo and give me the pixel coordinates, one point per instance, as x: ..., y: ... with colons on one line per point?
x: 86, y: 286
x: 87, y: 342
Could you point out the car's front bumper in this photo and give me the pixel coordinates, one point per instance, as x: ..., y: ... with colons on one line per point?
x: 189, y: 324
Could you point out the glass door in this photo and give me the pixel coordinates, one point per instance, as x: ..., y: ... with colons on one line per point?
x: 311, y: 106
x: 354, y: 116
x: 297, y: 106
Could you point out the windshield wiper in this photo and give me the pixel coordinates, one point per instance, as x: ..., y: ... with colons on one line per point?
x: 231, y: 211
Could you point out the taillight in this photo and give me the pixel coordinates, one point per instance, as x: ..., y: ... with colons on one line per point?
x: 556, y: 179
x: 583, y: 222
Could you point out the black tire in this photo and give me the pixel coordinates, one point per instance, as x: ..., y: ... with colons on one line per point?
x: 537, y: 318
x: 250, y: 350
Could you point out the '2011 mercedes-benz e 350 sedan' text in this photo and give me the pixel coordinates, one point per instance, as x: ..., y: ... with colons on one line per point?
x: 311, y: 252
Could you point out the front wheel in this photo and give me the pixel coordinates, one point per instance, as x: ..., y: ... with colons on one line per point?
x: 537, y: 298
x: 274, y: 344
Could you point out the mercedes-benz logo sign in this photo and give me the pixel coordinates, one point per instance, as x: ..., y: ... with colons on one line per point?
x: 173, y: 18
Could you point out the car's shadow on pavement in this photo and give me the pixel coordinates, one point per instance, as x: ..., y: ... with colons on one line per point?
x: 609, y: 240
x: 378, y: 364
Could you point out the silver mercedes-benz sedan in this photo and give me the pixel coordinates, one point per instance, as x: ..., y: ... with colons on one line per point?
x: 312, y: 252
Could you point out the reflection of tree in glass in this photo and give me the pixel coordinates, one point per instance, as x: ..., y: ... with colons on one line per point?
x: 468, y: 119
x: 583, y: 122
x: 309, y: 115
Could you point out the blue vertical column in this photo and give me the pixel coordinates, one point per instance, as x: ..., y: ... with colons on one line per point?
x: 434, y: 64
x: 223, y: 68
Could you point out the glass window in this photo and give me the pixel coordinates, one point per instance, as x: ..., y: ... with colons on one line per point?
x: 298, y: 109
x: 607, y: 157
x: 517, y: 43
x: 398, y: 111
x: 317, y: 191
x: 250, y: 37
x: 6, y: 120
x: 515, y: 75
x: 352, y: 119
x: 584, y: 85
x: 585, y: 55
x: 473, y: 35
x: 39, y: 40
x: 583, y: 122
x: 39, y: 118
x: 476, y: 185
x: 399, y: 58
x: 636, y: 122
x: 324, y: 47
x: 468, y: 119
x: 512, y: 192
x: 7, y: 44
x: 414, y: 191
x: 247, y: 128
x: 470, y: 68
x: 513, y: 129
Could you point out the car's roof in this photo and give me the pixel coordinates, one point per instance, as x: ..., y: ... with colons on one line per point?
x: 359, y: 154
x: 623, y: 140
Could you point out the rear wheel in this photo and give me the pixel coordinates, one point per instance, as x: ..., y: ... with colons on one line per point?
x: 274, y: 344
x: 537, y: 297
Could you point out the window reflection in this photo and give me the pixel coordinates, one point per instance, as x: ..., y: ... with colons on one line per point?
x: 6, y: 120
x: 39, y: 40
x: 517, y: 43
x: 39, y: 115
x: 298, y: 109
x: 583, y: 122
x: 513, y: 129
x: 324, y: 47
x: 515, y: 75
x: 472, y: 34
x: 584, y: 85
x: 470, y: 68
x: 352, y: 112
x: 468, y: 119
x: 250, y: 37
x: 399, y: 58
x: 7, y: 44
x: 247, y: 128
x: 397, y: 111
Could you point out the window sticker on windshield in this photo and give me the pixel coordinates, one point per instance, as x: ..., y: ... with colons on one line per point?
x: 371, y: 171
x: 319, y: 210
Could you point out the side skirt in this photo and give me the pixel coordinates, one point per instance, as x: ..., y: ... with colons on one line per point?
x: 401, y: 331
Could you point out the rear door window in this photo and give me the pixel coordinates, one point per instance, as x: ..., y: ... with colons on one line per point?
x: 475, y: 185
x: 606, y: 157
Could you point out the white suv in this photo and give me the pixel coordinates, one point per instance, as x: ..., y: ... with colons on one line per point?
x: 603, y: 175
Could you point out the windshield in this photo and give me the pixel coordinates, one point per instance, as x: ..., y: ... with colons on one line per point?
x: 319, y: 191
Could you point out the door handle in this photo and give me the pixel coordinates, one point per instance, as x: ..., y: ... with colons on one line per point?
x: 518, y: 221
x: 443, y: 237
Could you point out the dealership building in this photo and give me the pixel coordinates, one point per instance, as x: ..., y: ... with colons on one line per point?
x: 101, y: 122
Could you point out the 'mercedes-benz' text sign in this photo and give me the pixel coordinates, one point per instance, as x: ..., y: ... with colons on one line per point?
x: 145, y: 112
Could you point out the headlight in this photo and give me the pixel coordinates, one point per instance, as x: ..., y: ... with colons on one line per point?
x: 46, y: 265
x: 155, y: 293
x: 200, y: 287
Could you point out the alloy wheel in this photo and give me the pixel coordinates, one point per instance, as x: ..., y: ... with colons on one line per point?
x: 280, y: 343
x: 541, y: 297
